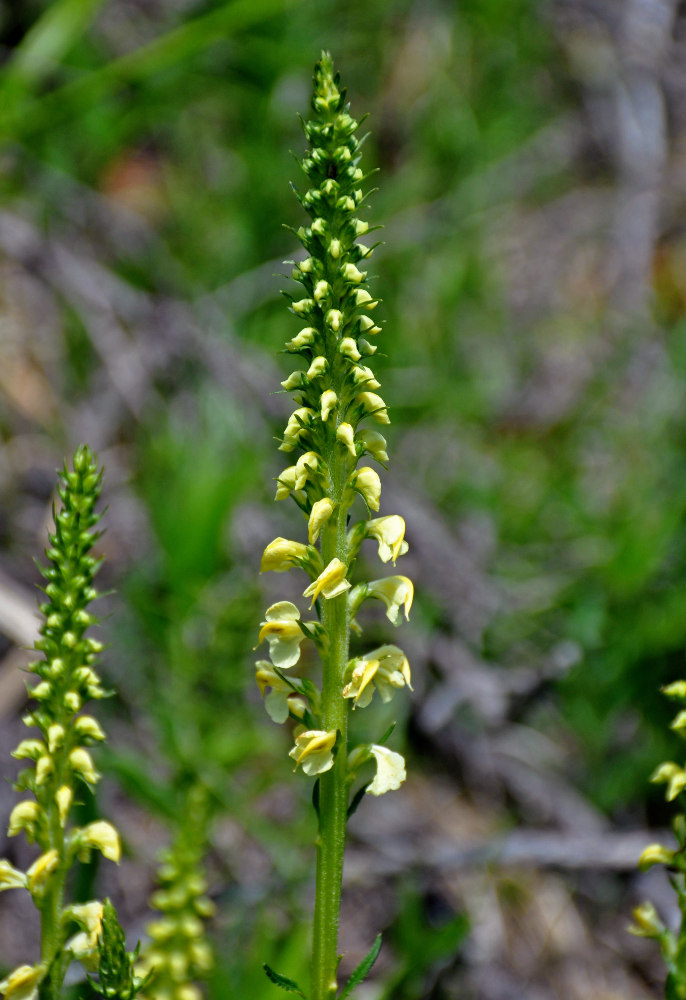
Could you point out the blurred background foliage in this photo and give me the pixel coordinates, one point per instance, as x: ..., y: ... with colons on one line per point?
x: 532, y: 189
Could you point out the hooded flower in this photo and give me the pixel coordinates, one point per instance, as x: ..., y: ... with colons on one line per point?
x: 385, y: 669
x: 282, y: 632
x: 102, y: 836
x: 390, y: 534
x: 11, y: 877
x: 281, y: 554
x: 22, y: 984
x: 312, y: 750
x: 276, y: 702
x: 390, y: 771
x: 331, y: 582
x: 319, y: 515
x: 394, y: 591
x: 367, y: 483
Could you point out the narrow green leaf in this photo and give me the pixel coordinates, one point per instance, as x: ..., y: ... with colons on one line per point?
x: 363, y: 969
x: 387, y: 734
x: 286, y: 984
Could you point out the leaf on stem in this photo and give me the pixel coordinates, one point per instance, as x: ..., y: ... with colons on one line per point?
x: 362, y: 970
x: 286, y: 984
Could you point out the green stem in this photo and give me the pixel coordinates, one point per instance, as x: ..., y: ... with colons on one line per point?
x: 333, y: 787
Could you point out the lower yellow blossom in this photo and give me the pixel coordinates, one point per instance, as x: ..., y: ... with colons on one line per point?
x: 24, y: 816
x: 22, y: 984
x: 39, y: 871
x: 319, y: 515
x: 102, y: 836
x: 394, y: 591
x: 385, y: 668
x: 276, y: 702
x: 389, y: 532
x: 390, y: 771
x: 655, y: 854
x: 11, y: 877
x: 367, y: 483
x: 312, y: 750
x: 282, y: 632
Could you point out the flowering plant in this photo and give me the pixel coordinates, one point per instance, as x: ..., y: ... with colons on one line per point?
x: 332, y: 427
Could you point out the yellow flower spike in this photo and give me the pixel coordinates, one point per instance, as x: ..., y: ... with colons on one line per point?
x: 41, y: 869
x: 55, y: 736
x: 319, y: 515
x: 64, y: 797
x: 328, y: 401
x: 389, y: 532
x: 23, y: 983
x: 348, y: 347
x: 282, y: 554
x: 81, y: 763
x: 390, y: 771
x: 276, y: 702
x: 103, y: 837
x: 318, y: 367
x: 330, y: 583
x: 394, y: 591
x: 282, y: 632
x: 312, y: 751
x: 367, y: 483
x: 374, y: 443
x: 297, y: 425
x: 24, y: 816
x: 346, y: 436
x: 374, y: 406
x: 11, y: 877
x: 655, y: 854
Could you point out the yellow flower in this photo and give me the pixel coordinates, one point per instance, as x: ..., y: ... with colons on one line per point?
x: 385, y: 668
x: 374, y: 406
x: 11, y: 877
x: 276, y: 702
x: 334, y: 318
x: 282, y: 632
x: 394, y: 591
x: 87, y: 727
x: 375, y: 443
x: 40, y: 869
x: 22, y: 984
x: 331, y: 582
x: 89, y: 916
x: 317, y: 367
x: 647, y: 924
x: 313, y: 749
x: 24, y: 816
x: 29, y: 750
x: 281, y: 554
x: 348, y: 347
x: 655, y: 854
x: 365, y: 376
x: 390, y: 771
x: 346, y: 435
x: 390, y: 534
x: 319, y: 515
x: 81, y: 763
x: 368, y: 485
x: 64, y: 797
x: 285, y: 483
x: 102, y: 836
x: 327, y: 403
x: 297, y: 425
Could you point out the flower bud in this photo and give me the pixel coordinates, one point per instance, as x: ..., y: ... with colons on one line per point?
x: 320, y: 514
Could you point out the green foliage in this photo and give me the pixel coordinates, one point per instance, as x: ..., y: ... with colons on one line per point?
x: 283, y: 982
x: 362, y: 970
x: 116, y: 977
